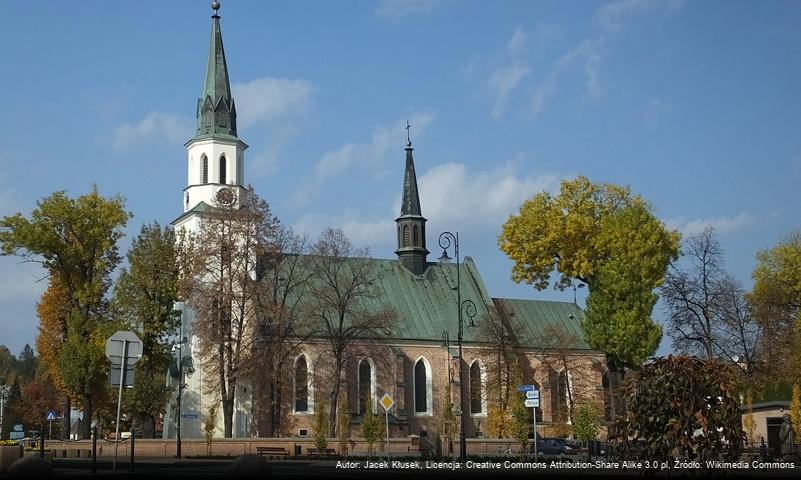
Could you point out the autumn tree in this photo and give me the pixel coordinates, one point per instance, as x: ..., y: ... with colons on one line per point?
x: 342, y: 299
x: 776, y: 298
x: 222, y: 261
x: 282, y: 328
x: 499, y: 333
x: 708, y: 314
x: 601, y: 236
x: 53, y: 311
x: 39, y: 397
x: 144, y: 300
x: 75, y: 239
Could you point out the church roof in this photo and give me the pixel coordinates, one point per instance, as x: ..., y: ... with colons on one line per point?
x: 426, y: 305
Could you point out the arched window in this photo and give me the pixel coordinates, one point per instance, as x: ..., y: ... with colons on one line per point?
x: 366, y: 374
x: 406, y: 237
x: 476, y: 390
x: 422, y: 387
x: 205, y: 169
x: 301, y: 384
x: 416, y: 236
x: 222, y: 169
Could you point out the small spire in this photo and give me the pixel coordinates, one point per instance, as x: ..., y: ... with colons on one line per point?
x: 215, y: 5
x: 408, y: 140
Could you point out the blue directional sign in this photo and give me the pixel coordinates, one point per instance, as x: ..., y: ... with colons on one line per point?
x: 51, y: 415
x: 526, y: 388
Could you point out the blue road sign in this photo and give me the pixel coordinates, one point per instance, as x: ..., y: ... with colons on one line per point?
x: 526, y: 388
x: 51, y: 415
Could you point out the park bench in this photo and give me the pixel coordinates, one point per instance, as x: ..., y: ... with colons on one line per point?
x: 272, y: 451
x: 329, y: 452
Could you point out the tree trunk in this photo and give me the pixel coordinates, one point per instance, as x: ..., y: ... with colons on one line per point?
x: 86, y: 424
x: 148, y: 426
x: 66, y: 418
x: 228, y: 416
x: 332, y: 412
x: 616, y: 400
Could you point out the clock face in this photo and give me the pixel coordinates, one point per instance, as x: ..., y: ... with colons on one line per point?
x: 225, y: 196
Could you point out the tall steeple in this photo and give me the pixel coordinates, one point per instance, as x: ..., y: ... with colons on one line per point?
x: 216, y: 112
x: 215, y: 155
x: 411, y: 250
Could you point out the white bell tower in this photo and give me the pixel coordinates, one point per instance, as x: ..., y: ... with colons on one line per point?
x: 215, y: 155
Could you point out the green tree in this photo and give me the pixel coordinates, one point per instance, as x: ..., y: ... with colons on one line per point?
x: 75, y: 239
x: 144, y: 299
x: 519, y: 420
x: 14, y: 404
x: 321, y: 426
x: 27, y: 363
x: 776, y: 297
x: 602, y: 236
x: 587, y: 423
x: 372, y: 428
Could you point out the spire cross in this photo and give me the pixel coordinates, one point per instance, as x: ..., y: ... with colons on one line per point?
x: 408, y: 126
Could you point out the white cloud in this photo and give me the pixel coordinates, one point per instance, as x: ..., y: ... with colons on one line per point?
x: 517, y: 41
x: 501, y: 84
x: 154, y: 127
x: 401, y: 8
x: 269, y: 99
x: 451, y: 197
x: 452, y: 194
x: 20, y: 281
x: 615, y: 15
x: 362, y: 230
x: 591, y: 68
x: 722, y: 225
x: 373, y: 153
x: 586, y: 52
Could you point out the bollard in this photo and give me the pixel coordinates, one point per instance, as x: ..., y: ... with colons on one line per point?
x: 94, y: 449
x: 133, y: 438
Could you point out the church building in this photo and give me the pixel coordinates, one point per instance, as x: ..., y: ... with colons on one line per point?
x: 416, y: 361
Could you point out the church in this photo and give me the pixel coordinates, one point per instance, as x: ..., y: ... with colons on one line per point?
x: 435, y: 302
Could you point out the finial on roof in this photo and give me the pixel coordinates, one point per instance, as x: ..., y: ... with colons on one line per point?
x: 408, y: 140
x: 215, y: 5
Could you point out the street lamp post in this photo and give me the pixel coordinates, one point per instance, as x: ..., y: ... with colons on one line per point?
x: 3, y: 392
x: 446, y: 239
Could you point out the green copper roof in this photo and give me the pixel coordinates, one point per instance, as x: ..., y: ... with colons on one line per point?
x: 216, y: 112
x: 426, y: 305
x: 534, y: 316
x: 410, y: 205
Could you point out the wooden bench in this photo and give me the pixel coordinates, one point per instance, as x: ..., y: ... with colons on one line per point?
x: 272, y: 451
x: 329, y: 452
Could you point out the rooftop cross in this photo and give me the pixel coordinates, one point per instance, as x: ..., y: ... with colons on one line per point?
x: 408, y: 141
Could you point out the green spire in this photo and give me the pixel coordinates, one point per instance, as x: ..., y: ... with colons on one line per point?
x: 411, y: 199
x: 216, y: 112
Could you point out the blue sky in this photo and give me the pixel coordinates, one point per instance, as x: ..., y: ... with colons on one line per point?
x: 695, y: 105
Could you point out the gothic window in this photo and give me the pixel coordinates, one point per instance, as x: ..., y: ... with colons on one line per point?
x: 365, y: 383
x: 301, y: 384
x: 422, y: 387
x: 416, y: 236
x: 205, y: 170
x: 406, y: 236
x: 476, y: 391
x: 222, y: 169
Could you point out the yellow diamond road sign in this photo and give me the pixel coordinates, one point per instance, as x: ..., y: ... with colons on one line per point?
x: 387, y: 402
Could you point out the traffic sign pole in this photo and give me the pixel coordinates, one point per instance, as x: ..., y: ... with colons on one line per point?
x: 119, y: 400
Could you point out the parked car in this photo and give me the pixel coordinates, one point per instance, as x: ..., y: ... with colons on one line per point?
x: 552, y: 446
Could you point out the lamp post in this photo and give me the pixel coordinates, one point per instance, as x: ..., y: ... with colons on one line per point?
x: 3, y: 392
x: 446, y: 239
